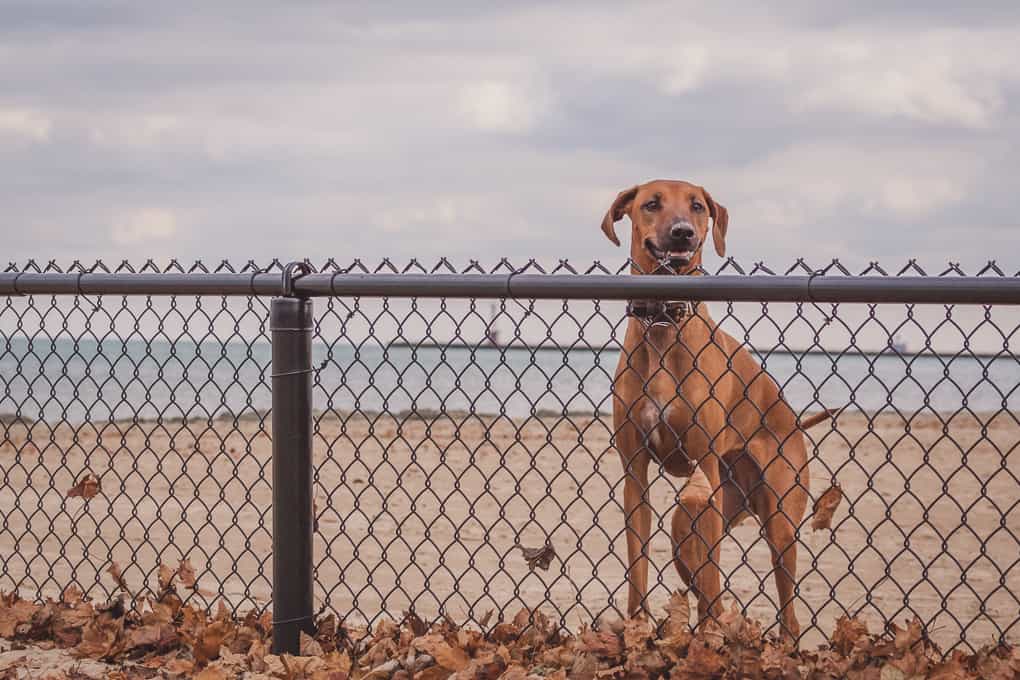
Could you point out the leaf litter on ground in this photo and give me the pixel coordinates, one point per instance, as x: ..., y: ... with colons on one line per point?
x: 159, y: 635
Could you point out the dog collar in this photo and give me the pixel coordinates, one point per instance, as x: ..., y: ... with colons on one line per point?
x: 660, y: 313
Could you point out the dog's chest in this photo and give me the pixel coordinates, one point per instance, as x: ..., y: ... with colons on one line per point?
x: 662, y: 430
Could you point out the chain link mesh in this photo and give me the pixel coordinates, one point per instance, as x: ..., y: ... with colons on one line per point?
x: 467, y: 459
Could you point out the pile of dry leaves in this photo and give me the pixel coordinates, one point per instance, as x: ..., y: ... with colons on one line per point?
x: 160, y: 636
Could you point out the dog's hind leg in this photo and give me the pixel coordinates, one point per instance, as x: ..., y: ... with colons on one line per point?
x: 780, y: 502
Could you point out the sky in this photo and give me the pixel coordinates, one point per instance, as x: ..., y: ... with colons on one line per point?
x: 475, y: 131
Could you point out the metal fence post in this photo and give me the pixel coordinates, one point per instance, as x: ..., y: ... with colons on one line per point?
x: 291, y: 324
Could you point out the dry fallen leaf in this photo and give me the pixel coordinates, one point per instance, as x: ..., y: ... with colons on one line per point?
x: 102, y: 639
x: 71, y: 595
x: 738, y: 630
x: 206, y: 644
x: 161, y: 637
x: 308, y: 646
x: 908, y: 637
x: 701, y: 662
x: 15, y: 614
x: 514, y: 673
x: 676, y: 629
x: 848, y: 632
x: 166, y: 577
x: 213, y: 673
x: 87, y: 487
x: 637, y: 633
x: 69, y: 621
x: 180, y: 640
x: 825, y: 507
x: 118, y: 578
x: 178, y: 667
x: 186, y: 573
x: 603, y: 643
x: 445, y: 654
x: 538, y: 557
x: 414, y: 622
x: 435, y: 673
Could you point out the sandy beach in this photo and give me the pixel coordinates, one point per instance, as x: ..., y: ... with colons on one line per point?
x: 429, y: 513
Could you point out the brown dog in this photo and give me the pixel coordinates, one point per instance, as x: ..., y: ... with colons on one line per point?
x: 690, y: 397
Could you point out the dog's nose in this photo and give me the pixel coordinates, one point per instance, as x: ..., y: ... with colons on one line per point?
x: 681, y: 230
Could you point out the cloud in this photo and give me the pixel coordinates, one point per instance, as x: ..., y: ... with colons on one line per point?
x: 144, y: 226
x: 949, y: 77
x: 502, y: 106
x: 812, y: 181
x: 144, y: 130
x: 25, y: 124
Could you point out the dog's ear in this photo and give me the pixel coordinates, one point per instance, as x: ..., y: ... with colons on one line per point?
x: 720, y: 220
x: 616, y: 211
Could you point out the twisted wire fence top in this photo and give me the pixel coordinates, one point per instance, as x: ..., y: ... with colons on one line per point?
x: 461, y: 445
x: 444, y: 265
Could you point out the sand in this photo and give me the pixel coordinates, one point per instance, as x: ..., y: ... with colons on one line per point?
x: 429, y: 513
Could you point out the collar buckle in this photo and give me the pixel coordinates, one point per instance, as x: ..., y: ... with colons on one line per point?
x: 660, y: 312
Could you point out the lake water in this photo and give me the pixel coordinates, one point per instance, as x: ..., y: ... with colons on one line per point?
x: 87, y: 380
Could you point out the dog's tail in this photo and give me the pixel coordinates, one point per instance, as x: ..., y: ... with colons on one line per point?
x: 821, y: 416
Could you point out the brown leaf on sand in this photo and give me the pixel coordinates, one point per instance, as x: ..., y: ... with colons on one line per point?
x: 998, y: 663
x: 118, y: 578
x: 71, y: 596
x: 102, y: 638
x: 445, y: 654
x: 14, y: 614
x: 308, y: 646
x: 433, y: 673
x: 166, y: 577
x: 484, y: 621
x: 160, y: 637
x: 702, y: 662
x: 848, y: 632
x: 69, y: 622
x: 186, y: 573
x: 214, y: 673
x: 637, y: 633
x: 583, y: 668
x: 908, y: 637
x: 951, y: 668
x: 676, y: 629
x: 538, y: 557
x: 414, y: 622
x: 256, y: 655
x: 738, y: 630
x: 206, y: 644
x: 776, y: 663
x: 86, y: 488
x: 603, y: 643
x: 825, y: 507
x: 504, y: 633
x: 160, y: 613
x: 177, y: 668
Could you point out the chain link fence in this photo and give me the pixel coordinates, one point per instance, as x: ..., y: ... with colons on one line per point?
x: 465, y: 457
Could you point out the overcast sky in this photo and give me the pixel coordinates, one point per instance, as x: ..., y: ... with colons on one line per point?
x: 331, y: 129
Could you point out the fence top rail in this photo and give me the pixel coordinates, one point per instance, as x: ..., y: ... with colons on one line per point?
x: 983, y: 290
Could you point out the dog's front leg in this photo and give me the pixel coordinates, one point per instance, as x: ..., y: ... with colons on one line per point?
x: 638, y: 520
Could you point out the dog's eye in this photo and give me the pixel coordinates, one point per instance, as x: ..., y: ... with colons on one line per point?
x: 652, y: 205
x: 697, y: 206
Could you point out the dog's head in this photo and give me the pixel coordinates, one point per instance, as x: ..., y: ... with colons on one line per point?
x: 670, y: 221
